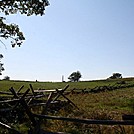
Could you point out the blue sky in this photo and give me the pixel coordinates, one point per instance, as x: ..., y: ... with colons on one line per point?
x: 95, y: 37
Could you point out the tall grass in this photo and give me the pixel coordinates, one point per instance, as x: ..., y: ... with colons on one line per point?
x: 101, y: 106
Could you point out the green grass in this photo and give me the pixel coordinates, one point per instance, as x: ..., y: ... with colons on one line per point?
x: 112, y: 100
x: 5, y: 85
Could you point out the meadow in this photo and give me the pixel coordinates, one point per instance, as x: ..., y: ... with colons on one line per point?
x: 5, y: 85
x: 108, y: 105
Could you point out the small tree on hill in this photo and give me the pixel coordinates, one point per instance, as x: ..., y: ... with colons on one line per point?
x: 116, y: 76
x: 75, y: 76
x: 6, y: 78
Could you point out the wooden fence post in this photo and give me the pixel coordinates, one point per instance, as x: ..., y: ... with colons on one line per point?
x: 67, y: 99
x: 24, y: 104
x: 32, y: 89
x: 60, y: 92
x: 20, y: 89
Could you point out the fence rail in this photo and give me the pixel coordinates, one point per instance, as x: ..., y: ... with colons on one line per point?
x: 87, y: 121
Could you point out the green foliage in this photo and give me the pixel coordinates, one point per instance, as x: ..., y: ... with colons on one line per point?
x: 75, y: 76
x: 12, y: 31
x: 28, y: 7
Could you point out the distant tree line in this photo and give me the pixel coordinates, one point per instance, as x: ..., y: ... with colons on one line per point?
x: 75, y: 76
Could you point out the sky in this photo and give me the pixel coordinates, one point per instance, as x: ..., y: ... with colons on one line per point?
x: 95, y: 37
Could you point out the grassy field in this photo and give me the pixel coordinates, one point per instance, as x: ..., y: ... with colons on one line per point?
x: 109, y: 105
x: 5, y: 85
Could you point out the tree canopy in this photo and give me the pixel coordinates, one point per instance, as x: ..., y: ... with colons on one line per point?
x: 6, y: 78
x: 27, y: 7
x: 75, y: 76
x: 116, y: 76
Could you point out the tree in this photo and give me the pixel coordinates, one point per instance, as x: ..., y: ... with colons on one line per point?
x: 27, y: 7
x: 75, y: 76
x: 6, y: 78
x: 1, y: 65
x: 116, y: 76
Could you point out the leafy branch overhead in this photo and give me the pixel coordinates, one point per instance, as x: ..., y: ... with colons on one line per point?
x: 27, y: 7
x: 1, y: 65
x: 12, y: 31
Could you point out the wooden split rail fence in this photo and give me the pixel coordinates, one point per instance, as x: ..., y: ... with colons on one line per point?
x: 14, y: 101
x: 98, y: 89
